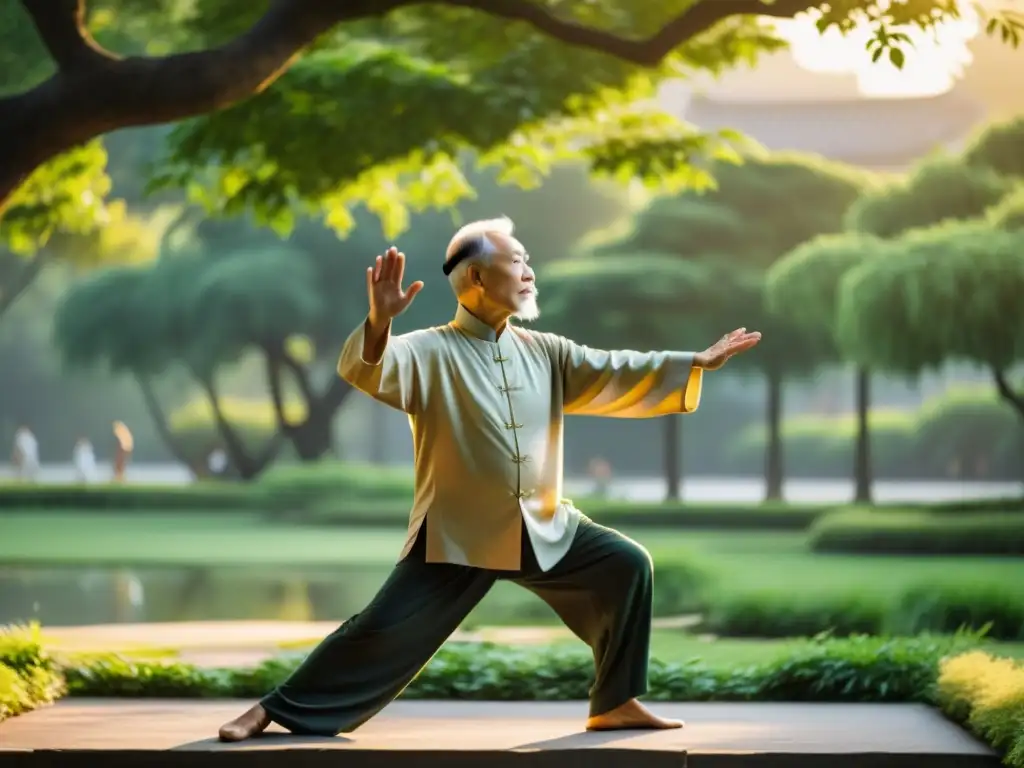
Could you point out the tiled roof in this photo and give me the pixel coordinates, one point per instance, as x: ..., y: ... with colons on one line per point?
x: 870, y: 132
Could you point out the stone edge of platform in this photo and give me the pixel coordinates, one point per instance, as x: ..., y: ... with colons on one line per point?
x: 301, y: 757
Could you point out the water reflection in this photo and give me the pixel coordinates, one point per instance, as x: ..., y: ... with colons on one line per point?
x: 64, y: 596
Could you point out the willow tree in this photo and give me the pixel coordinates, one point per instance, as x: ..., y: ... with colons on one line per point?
x: 951, y: 292
x: 804, y: 286
x: 147, y: 322
x: 757, y: 212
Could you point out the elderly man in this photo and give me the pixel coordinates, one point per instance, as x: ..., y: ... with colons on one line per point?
x: 485, y: 400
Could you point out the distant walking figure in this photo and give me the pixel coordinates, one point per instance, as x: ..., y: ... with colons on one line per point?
x: 25, y: 456
x: 125, y: 445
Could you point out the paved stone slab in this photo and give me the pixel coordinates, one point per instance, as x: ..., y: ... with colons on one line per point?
x: 422, y: 733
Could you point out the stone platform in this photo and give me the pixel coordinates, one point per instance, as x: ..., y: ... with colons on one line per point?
x: 421, y: 734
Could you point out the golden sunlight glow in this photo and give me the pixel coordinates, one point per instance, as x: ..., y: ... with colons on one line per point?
x: 932, y: 65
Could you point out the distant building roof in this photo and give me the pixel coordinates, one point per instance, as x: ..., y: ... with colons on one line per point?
x: 868, y: 132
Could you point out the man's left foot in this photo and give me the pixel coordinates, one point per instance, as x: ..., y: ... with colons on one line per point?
x: 631, y: 715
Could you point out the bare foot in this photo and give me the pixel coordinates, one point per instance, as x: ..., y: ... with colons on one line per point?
x: 631, y: 715
x: 246, y: 726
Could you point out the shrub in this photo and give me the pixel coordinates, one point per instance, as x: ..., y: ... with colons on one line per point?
x: 28, y: 676
x: 338, y: 510
x: 918, y: 532
x: 932, y: 608
x: 684, y: 514
x: 975, y: 433
x: 968, y: 433
x: 680, y: 586
x: 854, y: 669
x: 129, y: 497
x: 949, y: 607
x: 773, y: 614
x: 823, y: 447
x: 334, y: 489
x: 987, y: 695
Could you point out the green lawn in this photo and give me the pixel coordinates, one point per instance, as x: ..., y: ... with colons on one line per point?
x: 771, y: 561
x: 741, y: 560
x: 168, y: 538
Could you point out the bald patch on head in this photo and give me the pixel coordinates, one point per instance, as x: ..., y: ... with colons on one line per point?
x: 476, y: 242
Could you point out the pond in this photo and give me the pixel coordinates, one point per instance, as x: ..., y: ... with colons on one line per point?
x: 77, y: 596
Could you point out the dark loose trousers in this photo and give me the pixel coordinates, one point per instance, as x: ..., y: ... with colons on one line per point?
x: 601, y: 589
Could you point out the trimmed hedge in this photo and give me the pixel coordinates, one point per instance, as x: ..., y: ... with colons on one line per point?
x: 853, y: 669
x: 303, y: 485
x: 969, y: 434
x: 29, y: 678
x: 779, y: 517
x: 936, y: 608
x: 986, y: 695
x: 336, y: 493
x: 780, y: 615
x: 918, y: 532
x: 130, y: 497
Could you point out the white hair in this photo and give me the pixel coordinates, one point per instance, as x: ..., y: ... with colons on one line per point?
x: 475, y: 233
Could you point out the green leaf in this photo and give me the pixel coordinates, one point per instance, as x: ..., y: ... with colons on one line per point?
x: 896, y: 57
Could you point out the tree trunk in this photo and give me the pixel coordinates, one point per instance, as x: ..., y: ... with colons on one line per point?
x: 672, y: 453
x: 26, y: 276
x: 156, y: 413
x: 248, y: 467
x: 313, y: 437
x: 862, y: 451
x: 773, y: 465
x: 1015, y: 399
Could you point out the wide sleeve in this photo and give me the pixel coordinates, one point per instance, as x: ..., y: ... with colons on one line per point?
x: 627, y: 384
x: 392, y: 380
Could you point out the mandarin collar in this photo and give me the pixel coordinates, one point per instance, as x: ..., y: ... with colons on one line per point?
x: 468, y: 322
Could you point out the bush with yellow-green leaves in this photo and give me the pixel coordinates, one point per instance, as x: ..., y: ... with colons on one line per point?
x: 29, y: 676
x: 986, y: 694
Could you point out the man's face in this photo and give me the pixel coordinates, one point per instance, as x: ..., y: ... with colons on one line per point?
x: 508, y: 280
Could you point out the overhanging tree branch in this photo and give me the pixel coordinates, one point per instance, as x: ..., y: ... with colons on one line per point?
x: 61, y: 27
x: 648, y: 52
x: 95, y: 91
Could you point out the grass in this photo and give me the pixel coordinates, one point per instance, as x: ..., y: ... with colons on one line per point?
x: 742, y: 561
x: 775, y: 561
x: 186, y: 539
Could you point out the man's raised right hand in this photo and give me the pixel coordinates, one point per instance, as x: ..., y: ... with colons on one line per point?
x: 384, y: 285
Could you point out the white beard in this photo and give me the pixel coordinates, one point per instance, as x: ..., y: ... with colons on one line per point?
x: 528, y: 310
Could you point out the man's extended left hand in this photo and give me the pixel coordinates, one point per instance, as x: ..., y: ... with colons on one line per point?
x: 715, y: 356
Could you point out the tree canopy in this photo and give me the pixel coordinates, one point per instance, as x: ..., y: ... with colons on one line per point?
x: 938, y: 190
x: 758, y: 210
x: 804, y: 284
x: 998, y: 147
x: 949, y: 292
x: 312, y: 106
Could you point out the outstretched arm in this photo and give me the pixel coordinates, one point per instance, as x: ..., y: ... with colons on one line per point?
x: 629, y: 384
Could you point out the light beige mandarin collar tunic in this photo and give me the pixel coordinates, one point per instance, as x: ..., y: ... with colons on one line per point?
x: 486, y: 416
